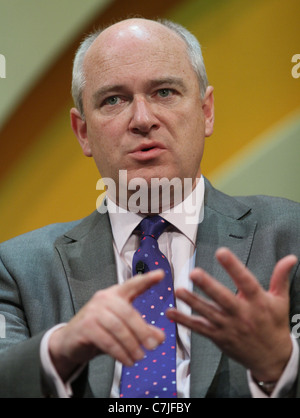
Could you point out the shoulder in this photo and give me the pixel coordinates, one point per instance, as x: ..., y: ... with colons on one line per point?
x: 41, y: 237
x: 32, y: 249
x: 257, y: 206
x: 37, y: 243
x: 272, y: 207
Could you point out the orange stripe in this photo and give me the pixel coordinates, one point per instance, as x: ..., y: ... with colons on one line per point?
x: 51, y: 93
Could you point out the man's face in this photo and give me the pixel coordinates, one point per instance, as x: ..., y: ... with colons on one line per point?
x: 142, y: 105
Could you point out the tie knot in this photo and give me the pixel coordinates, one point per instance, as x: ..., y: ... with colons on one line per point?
x: 153, y: 226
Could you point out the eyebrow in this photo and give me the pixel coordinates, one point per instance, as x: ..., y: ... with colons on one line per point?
x: 103, y: 91
x: 170, y: 81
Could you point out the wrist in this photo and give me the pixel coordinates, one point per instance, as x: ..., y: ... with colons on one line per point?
x: 62, y: 364
x: 269, y: 371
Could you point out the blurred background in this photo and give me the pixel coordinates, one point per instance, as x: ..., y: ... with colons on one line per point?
x: 248, y: 48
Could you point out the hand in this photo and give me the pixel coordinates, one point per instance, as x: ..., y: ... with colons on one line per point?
x: 108, y: 323
x: 251, y: 327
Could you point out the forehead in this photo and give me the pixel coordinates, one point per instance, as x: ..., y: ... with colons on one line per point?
x: 135, y: 48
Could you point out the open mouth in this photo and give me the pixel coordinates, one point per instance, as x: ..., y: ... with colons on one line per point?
x: 145, y: 152
x: 147, y: 149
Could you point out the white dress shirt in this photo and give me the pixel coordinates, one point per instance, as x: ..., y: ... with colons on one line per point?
x: 178, y: 244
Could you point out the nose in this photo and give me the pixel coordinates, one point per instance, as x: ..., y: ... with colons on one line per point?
x: 143, y: 119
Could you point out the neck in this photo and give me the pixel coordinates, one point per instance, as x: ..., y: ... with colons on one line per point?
x: 161, y: 196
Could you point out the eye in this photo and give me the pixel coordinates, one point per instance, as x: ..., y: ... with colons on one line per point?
x: 112, y: 101
x: 165, y: 92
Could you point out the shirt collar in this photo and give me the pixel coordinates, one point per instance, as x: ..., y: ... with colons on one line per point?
x: 185, y: 217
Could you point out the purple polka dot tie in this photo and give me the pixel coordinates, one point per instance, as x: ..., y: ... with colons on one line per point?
x: 155, y: 375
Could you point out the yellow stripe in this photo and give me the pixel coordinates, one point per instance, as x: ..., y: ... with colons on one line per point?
x: 53, y: 183
x: 247, y: 48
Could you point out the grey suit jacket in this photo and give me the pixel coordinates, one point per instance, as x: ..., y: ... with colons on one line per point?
x: 47, y: 275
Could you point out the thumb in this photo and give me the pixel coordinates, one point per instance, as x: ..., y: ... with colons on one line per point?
x: 139, y: 283
x: 279, y: 284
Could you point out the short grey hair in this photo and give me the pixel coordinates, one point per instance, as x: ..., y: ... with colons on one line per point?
x: 193, y: 49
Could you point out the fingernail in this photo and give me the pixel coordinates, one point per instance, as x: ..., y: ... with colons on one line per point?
x: 139, y: 354
x: 155, y: 272
x: 151, y: 343
x: 128, y: 363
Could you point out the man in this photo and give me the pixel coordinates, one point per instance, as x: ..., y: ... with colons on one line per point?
x: 144, y: 107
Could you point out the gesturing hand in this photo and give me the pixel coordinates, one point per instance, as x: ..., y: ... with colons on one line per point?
x: 251, y: 327
x: 108, y: 323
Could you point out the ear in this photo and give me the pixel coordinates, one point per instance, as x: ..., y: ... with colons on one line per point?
x: 209, y: 111
x: 80, y: 130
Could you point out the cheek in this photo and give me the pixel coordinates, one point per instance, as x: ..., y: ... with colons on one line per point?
x: 190, y: 130
x: 192, y: 137
x: 102, y: 135
x: 105, y: 142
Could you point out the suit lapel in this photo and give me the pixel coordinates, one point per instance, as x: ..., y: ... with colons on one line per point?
x: 88, y: 258
x: 226, y: 223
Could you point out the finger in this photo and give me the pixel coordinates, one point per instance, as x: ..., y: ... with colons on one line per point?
x: 144, y: 334
x: 138, y: 284
x: 197, y: 323
x: 220, y: 294
x: 107, y: 343
x: 81, y: 340
x: 208, y: 309
x: 118, y: 332
x: 242, y: 277
x: 279, y: 284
